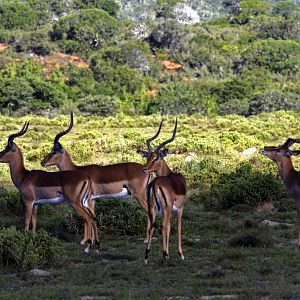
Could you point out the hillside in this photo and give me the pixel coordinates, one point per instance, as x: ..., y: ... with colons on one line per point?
x: 237, y: 57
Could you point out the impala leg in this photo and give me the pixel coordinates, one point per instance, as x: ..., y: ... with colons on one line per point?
x: 87, y: 221
x: 298, y: 215
x: 94, y: 229
x: 143, y: 202
x: 179, y: 220
x: 151, y: 219
x: 28, y: 214
x: 34, y: 217
x: 166, y: 232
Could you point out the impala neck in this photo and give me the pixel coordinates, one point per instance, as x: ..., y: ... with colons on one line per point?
x: 164, y: 170
x: 66, y: 163
x: 287, y: 171
x: 17, y: 169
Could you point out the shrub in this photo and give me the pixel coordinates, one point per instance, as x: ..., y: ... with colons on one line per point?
x: 98, y: 105
x: 27, y: 250
x: 279, y: 56
x: 11, y: 201
x: 114, y: 216
x: 251, y: 238
x: 272, y: 100
x: 119, y: 217
x: 244, y: 186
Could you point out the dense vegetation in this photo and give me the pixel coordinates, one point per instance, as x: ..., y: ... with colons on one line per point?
x: 228, y: 250
x: 244, y: 62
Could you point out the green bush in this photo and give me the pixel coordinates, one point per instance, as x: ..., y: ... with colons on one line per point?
x: 11, y: 201
x: 251, y: 238
x: 272, y: 100
x: 26, y: 250
x: 245, y: 186
x: 114, y: 216
x: 98, y: 105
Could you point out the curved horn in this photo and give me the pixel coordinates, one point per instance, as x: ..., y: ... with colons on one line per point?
x: 62, y: 133
x: 19, y: 133
x: 289, y: 142
x: 169, y: 140
x: 153, y: 138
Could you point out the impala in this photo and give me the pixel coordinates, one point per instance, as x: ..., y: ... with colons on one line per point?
x: 165, y: 194
x: 111, y: 181
x: 282, y: 156
x: 38, y: 187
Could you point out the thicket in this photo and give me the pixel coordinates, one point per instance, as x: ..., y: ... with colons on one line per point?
x: 208, y: 151
x: 244, y: 63
x: 26, y: 250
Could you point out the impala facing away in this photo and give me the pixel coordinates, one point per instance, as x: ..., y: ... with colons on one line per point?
x: 282, y: 156
x: 38, y: 187
x: 111, y: 181
x: 166, y: 193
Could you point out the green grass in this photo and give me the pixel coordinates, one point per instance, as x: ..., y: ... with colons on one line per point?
x: 266, y: 267
x: 213, y: 265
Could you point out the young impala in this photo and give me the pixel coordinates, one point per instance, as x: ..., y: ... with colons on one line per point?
x: 38, y: 187
x: 111, y: 181
x: 165, y: 193
x: 282, y: 156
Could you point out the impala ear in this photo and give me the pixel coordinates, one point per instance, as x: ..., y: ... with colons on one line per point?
x: 142, y: 153
x: 163, y: 153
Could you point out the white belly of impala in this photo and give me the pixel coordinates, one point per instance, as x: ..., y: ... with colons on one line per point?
x: 49, y: 201
x: 123, y: 193
x: 160, y: 211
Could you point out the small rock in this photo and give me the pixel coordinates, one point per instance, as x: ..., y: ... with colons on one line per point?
x: 250, y: 151
x: 38, y: 272
x: 274, y: 223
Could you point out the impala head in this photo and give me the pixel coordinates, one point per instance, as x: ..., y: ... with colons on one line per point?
x: 11, y: 148
x: 280, y: 152
x: 155, y: 158
x: 56, y: 154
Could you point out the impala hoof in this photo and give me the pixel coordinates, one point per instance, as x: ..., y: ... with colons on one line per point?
x: 85, y: 251
x: 146, y: 261
x: 181, y: 256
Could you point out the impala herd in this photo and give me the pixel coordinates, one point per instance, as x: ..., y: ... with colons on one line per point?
x: 158, y: 189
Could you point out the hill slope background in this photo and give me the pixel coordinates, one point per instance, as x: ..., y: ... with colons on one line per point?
x: 143, y: 57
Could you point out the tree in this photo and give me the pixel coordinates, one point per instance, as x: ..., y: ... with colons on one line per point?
x: 109, y: 6
x: 249, y: 9
x: 272, y: 100
x: 17, y: 15
x: 275, y: 55
x: 81, y: 28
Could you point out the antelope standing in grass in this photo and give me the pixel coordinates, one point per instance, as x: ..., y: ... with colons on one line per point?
x: 38, y: 187
x: 165, y: 194
x: 282, y: 156
x: 111, y: 181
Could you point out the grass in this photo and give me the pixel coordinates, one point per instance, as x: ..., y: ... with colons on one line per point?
x: 229, y: 254
x: 214, y: 264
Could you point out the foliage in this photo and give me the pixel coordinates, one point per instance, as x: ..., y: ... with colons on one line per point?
x: 17, y: 15
x: 11, y: 201
x: 26, y: 251
x: 76, y: 32
x: 272, y: 100
x: 113, y: 216
x: 98, y: 105
x: 109, y: 6
x: 276, y: 55
x: 244, y: 186
x: 249, y: 9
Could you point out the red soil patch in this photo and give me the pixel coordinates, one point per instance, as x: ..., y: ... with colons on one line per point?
x: 171, y: 65
x: 52, y: 62
x: 3, y: 47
